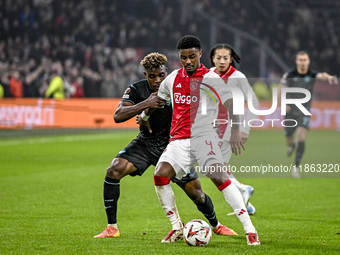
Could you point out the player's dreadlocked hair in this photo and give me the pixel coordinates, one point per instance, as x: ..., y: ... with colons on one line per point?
x: 236, y: 57
x: 153, y: 60
x: 188, y: 42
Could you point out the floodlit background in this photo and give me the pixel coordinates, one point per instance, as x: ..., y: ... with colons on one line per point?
x: 103, y: 41
x: 54, y: 153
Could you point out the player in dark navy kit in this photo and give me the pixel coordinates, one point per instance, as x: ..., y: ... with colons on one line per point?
x: 301, y: 77
x: 150, y: 143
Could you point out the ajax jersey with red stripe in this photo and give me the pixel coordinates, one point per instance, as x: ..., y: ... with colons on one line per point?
x: 195, y: 101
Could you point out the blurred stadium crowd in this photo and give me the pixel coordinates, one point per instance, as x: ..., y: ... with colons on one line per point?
x: 95, y: 45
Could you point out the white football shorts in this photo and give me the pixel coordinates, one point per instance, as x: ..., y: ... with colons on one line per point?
x: 181, y: 154
x: 226, y: 150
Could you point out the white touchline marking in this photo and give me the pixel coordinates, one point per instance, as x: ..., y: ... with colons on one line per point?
x: 56, y: 139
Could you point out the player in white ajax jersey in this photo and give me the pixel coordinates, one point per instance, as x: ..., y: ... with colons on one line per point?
x: 193, y: 138
x: 223, y: 58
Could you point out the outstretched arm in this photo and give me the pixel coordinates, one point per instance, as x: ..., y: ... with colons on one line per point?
x: 332, y: 79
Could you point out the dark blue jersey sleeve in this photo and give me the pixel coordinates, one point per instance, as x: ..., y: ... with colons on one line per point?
x: 131, y: 95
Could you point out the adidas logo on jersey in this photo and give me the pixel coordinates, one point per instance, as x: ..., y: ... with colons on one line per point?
x: 178, y: 85
x: 211, y: 153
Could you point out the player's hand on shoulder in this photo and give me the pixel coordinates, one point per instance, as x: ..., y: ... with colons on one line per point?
x: 155, y: 101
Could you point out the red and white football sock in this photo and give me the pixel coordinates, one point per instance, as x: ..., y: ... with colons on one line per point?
x: 234, y: 198
x: 234, y: 180
x: 167, y: 199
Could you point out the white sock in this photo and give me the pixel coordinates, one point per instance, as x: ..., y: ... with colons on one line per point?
x: 234, y: 198
x: 218, y: 223
x: 113, y: 225
x: 234, y: 180
x: 167, y: 198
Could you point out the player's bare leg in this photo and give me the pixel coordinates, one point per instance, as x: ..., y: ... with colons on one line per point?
x: 164, y: 172
x: 234, y: 198
x: 301, y: 134
x: 115, y: 172
x: 205, y: 205
x: 291, y: 144
x: 299, y: 144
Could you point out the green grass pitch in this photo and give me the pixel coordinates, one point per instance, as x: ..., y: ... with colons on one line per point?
x: 51, y: 199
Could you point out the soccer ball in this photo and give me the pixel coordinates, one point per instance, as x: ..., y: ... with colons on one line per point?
x: 197, y: 233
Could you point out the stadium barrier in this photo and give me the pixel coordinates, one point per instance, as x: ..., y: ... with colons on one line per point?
x: 325, y: 116
x: 67, y: 113
x: 98, y: 113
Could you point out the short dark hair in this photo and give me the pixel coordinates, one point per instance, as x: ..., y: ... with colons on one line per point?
x: 236, y: 57
x: 302, y: 52
x: 188, y: 42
